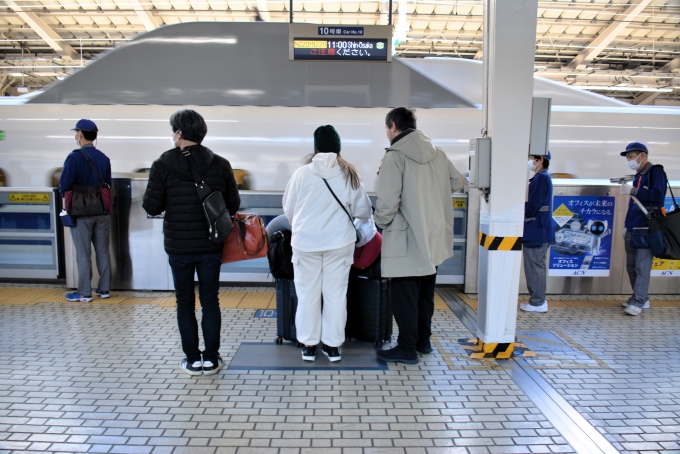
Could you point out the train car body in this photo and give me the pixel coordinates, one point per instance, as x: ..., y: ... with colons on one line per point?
x: 262, y: 109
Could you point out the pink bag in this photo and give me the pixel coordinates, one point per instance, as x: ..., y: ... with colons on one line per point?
x: 365, y: 256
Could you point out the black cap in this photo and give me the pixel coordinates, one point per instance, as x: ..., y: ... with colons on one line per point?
x: 326, y: 140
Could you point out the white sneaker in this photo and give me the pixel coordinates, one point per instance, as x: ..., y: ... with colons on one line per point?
x: 645, y: 306
x: 632, y: 310
x: 526, y: 307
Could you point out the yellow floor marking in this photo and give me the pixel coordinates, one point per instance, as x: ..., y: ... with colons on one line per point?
x: 439, y: 303
x: 231, y: 300
x: 256, y: 300
x: 168, y: 301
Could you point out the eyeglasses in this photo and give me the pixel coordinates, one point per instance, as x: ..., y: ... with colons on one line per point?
x: 631, y: 156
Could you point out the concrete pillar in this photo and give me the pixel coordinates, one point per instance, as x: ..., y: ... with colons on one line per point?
x: 509, y: 48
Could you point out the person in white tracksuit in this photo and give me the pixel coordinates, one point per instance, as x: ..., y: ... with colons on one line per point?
x: 323, y: 238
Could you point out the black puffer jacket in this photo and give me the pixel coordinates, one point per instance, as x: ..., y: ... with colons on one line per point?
x: 172, y: 189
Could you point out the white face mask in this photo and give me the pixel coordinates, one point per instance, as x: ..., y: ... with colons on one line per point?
x: 634, y: 164
x: 531, y: 165
x: 172, y: 139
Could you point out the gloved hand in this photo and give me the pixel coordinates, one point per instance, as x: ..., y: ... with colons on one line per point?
x: 626, y: 189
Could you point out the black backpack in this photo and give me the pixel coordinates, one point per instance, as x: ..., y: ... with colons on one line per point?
x: 214, y: 207
x: 280, y: 255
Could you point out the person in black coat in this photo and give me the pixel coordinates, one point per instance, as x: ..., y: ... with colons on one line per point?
x: 171, y: 189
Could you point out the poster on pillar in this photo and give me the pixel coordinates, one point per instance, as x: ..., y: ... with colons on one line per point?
x: 665, y: 267
x: 583, y: 236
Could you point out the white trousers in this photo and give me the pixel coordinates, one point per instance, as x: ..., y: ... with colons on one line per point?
x: 322, y: 273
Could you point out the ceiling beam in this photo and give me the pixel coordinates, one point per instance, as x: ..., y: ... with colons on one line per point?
x: 263, y: 10
x: 148, y: 20
x: 43, y: 30
x: 646, y: 98
x: 610, y: 33
x: 671, y: 65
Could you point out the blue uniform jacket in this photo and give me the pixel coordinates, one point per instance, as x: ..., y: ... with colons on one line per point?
x: 78, y: 171
x: 650, y: 193
x: 538, y: 222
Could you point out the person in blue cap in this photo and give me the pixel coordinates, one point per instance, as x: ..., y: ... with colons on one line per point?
x: 88, y: 230
x: 538, y: 232
x: 649, y: 187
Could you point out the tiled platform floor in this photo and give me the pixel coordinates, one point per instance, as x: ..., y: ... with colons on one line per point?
x: 83, y: 377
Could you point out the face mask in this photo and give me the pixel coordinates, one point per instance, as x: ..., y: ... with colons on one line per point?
x: 634, y: 164
x: 172, y: 139
x: 531, y: 165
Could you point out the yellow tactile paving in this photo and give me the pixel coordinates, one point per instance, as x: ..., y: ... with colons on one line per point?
x: 256, y: 300
x: 231, y: 300
x: 439, y: 303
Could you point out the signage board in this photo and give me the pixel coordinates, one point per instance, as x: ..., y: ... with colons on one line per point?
x: 583, y: 236
x: 310, y: 42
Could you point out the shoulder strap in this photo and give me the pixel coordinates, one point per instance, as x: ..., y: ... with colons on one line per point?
x: 89, y: 161
x: 193, y: 168
x: 339, y: 202
x: 677, y: 207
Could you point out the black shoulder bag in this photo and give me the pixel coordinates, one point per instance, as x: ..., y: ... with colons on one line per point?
x: 356, y: 231
x: 89, y: 200
x: 215, y: 209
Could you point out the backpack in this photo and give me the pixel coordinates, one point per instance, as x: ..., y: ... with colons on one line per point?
x: 280, y: 255
x: 214, y: 207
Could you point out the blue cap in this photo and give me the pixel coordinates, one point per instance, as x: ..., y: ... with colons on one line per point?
x: 547, y: 155
x: 85, y: 125
x: 635, y: 146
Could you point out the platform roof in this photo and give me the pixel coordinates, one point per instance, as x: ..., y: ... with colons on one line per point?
x: 628, y: 45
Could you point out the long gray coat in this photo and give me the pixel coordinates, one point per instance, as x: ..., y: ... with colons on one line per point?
x: 414, y: 206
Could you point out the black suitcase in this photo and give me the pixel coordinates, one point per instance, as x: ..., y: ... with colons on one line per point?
x: 369, y: 309
x: 286, y: 306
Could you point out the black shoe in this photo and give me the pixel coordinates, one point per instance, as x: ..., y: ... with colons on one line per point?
x: 424, y: 348
x: 397, y: 355
x: 309, y: 353
x: 333, y: 353
x: 213, y: 367
x: 195, y: 368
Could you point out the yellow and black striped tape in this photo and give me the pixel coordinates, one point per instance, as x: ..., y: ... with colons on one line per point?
x: 477, y: 349
x: 500, y: 243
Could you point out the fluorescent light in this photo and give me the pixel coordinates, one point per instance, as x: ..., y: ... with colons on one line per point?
x: 22, y: 89
x: 629, y: 88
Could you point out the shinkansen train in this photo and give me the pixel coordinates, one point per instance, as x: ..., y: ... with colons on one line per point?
x: 261, y: 109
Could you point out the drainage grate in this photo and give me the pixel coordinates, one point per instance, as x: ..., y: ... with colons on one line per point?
x: 544, y: 341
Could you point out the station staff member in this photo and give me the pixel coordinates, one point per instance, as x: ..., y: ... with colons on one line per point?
x: 649, y: 187
x: 538, y: 232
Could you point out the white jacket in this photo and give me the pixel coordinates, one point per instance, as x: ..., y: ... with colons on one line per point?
x: 318, y: 221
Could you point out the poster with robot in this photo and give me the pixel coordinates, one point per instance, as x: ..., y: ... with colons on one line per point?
x: 583, y: 236
x: 664, y: 267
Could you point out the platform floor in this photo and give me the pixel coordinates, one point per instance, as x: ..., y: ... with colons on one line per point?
x: 103, y: 377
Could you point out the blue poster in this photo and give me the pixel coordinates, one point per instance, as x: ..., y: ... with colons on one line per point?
x: 583, y: 235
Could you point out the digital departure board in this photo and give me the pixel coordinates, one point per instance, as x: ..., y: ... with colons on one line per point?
x: 340, y: 48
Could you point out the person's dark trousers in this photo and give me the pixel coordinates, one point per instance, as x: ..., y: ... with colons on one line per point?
x: 207, y: 266
x: 413, y: 307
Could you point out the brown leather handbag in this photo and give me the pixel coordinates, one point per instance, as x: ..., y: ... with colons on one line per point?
x: 247, y: 240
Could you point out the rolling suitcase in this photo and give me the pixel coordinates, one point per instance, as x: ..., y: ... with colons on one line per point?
x: 286, y: 306
x: 369, y: 309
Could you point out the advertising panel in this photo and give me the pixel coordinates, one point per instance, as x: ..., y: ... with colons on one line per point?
x: 583, y: 236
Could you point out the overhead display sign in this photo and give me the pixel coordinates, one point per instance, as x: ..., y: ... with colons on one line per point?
x: 583, y: 241
x: 309, y: 42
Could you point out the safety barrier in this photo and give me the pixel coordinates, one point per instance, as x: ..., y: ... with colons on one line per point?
x: 30, y: 233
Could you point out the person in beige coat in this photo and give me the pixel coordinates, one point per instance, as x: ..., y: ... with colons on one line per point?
x: 414, y: 209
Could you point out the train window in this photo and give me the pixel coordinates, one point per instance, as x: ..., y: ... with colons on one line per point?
x: 3, y: 181
x: 56, y: 176
x: 568, y: 176
x: 146, y: 170
x: 243, y: 179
